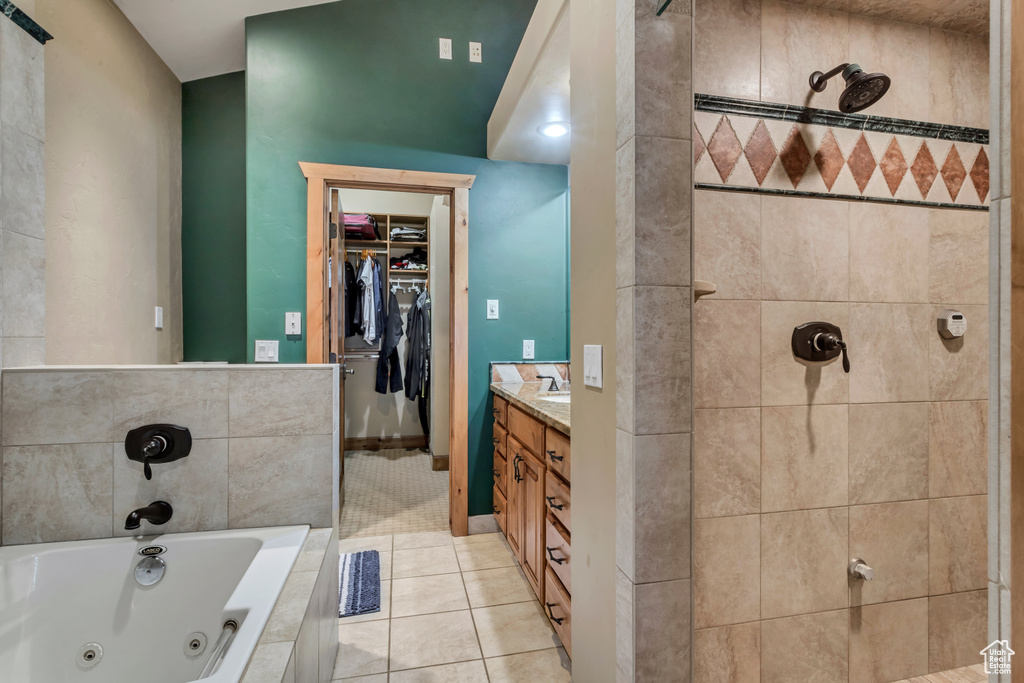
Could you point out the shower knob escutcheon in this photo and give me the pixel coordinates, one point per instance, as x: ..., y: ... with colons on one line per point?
x: 820, y: 342
x: 859, y: 570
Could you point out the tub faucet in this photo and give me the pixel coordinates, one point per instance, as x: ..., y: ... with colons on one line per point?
x: 554, y: 382
x: 158, y: 512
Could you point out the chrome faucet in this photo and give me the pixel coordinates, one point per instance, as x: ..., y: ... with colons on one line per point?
x: 860, y: 570
x: 158, y: 512
x: 554, y: 382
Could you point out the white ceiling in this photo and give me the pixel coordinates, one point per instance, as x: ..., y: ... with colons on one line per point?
x: 200, y: 38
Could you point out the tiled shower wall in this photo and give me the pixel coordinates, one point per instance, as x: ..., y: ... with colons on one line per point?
x: 264, y: 453
x: 798, y: 469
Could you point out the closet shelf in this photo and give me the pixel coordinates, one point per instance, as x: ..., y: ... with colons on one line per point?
x: 399, y: 244
x: 402, y: 271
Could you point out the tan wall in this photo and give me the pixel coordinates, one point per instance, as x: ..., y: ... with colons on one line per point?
x: 797, y: 469
x: 113, y: 190
x: 592, y: 196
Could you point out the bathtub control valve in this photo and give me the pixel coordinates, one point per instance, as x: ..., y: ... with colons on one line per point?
x: 860, y: 570
x: 157, y: 444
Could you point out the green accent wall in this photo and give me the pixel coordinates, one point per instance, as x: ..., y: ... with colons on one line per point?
x: 213, y: 218
x: 359, y: 82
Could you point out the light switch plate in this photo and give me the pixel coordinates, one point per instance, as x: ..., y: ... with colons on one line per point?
x: 446, y: 48
x: 492, y: 309
x: 593, y: 366
x: 159, y: 317
x: 475, y: 53
x: 266, y: 350
x: 292, y: 323
x: 528, y: 349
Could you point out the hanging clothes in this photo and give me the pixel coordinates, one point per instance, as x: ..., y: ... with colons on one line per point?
x: 389, y: 351
x: 417, y: 364
x: 378, y: 301
x: 367, y: 292
x: 351, y: 299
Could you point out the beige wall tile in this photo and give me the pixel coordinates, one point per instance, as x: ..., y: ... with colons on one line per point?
x: 625, y: 213
x: 22, y: 77
x: 888, y: 253
x: 727, y: 42
x: 797, y: 40
x: 662, y: 507
x: 24, y: 286
x: 901, y: 51
x: 23, y: 179
x: 892, y: 538
x: 196, y: 399
x: 624, y: 627
x: 805, y: 248
x: 662, y: 229
x: 56, y: 493
x: 804, y: 454
x: 727, y: 571
x: 291, y: 607
x: 57, y: 407
x: 272, y: 402
x: 887, y: 358
x: 957, y: 541
x: 788, y: 381
x: 731, y: 654
x: 196, y: 487
x: 786, y: 644
x: 958, y: 448
x: 625, y: 359
x: 727, y: 360
x: 663, y: 75
x: 958, y: 256
x: 271, y: 663
x: 662, y: 350
x: 959, y: 71
x: 625, y: 504
x: 727, y: 462
x: 889, y: 452
x: 662, y: 630
x: 625, y: 84
x: 957, y: 630
x: 959, y: 367
x: 727, y: 242
x: 23, y: 352
x: 803, y: 562
x: 889, y: 642
x: 272, y: 480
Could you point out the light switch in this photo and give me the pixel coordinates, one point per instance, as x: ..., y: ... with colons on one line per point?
x: 292, y: 323
x: 593, y: 366
x: 527, y: 349
x: 159, y: 317
x: 492, y: 309
x: 266, y: 350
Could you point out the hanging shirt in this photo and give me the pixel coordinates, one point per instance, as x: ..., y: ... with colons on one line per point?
x: 369, y: 314
x: 351, y: 300
x: 390, y: 376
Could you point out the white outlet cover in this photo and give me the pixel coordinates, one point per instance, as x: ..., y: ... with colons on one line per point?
x: 292, y: 324
x: 476, y: 53
x: 266, y: 350
x: 593, y: 366
x: 492, y: 309
x: 528, y: 349
x: 445, y: 45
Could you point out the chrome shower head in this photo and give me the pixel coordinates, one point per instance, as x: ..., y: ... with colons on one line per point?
x: 862, y: 89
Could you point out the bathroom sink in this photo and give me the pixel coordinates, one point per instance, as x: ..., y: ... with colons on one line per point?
x: 563, y: 398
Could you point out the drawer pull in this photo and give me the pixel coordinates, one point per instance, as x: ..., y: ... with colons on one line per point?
x: 557, y: 620
x: 496, y: 510
x: 496, y: 412
x: 551, y: 555
x: 551, y: 503
x: 558, y: 458
x: 496, y: 440
x: 515, y: 463
x: 497, y: 473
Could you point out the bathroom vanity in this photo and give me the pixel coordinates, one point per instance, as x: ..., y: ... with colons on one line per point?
x: 532, y: 492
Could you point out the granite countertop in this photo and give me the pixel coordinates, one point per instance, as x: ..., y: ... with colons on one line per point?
x: 528, y: 397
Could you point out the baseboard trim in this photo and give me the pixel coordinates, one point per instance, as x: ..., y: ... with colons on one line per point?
x: 483, y: 524
x: 377, y: 443
x: 439, y: 463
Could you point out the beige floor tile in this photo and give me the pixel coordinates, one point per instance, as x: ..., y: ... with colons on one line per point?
x: 375, y: 678
x: 362, y: 649
x: 473, y: 539
x: 423, y: 562
x: 433, y: 639
x: 428, y: 595
x: 511, y: 629
x: 424, y: 539
x: 487, y: 555
x: 542, y: 666
x: 381, y: 544
x: 385, y: 566
x: 463, y: 672
x: 385, y: 608
x: 500, y: 586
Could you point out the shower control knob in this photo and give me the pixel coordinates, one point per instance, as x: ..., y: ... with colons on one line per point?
x: 859, y: 570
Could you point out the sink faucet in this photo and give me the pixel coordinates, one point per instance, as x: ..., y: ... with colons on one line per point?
x: 554, y: 382
x: 158, y: 512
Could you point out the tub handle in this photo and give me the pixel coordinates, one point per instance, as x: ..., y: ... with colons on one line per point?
x: 217, y: 654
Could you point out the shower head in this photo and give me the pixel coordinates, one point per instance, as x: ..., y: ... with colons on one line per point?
x: 862, y: 89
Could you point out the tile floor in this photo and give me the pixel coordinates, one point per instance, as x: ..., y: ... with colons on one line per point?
x: 392, y: 491
x: 967, y: 674
x: 457, y: 610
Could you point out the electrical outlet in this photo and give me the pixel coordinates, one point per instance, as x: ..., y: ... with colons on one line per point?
x: 292, y: 324
x: 159, y: 317
x: 476, y: 53
x: 492, y: 309
x: 527, y: 349
x: 446, y: 48
x: 266, y: 351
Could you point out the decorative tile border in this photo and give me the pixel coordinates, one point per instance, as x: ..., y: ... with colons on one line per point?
x: 519, y: 371
x: 755, y: 153
x: 24, y: 21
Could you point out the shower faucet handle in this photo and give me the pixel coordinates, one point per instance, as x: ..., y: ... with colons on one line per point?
x: 859, y: 570
x: 819, y: 342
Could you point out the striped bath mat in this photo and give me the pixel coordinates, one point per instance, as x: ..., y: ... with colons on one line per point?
x: 360, y: 583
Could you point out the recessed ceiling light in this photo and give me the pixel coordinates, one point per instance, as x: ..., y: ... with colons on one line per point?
x: 554, y: 129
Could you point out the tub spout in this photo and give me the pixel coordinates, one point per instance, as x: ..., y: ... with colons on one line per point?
x: 158, y: 512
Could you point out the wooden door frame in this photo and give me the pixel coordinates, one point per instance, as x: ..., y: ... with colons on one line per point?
x: 320, y: 177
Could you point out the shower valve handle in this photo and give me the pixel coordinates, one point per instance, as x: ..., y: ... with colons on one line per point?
x: 819, y: 342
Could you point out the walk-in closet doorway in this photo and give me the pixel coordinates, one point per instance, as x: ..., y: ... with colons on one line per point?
x: 394, y: 205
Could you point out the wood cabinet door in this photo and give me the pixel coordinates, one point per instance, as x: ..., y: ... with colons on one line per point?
x: 514, y: 496
x: 532, y: 504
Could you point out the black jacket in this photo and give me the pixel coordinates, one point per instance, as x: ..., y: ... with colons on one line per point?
x: 417, y: 364
x: 389, y: 351
x: 351, y: 300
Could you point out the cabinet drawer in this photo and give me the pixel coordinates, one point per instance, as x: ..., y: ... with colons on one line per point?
x: 558, y: 606
x: 500, y: 472
x: 556, y: 451
x: 556, y: 498
x: 499, y: 508
x: 527, y: 430
x: 500, y: 439
x: 500, y: 410
x: 558, y: 553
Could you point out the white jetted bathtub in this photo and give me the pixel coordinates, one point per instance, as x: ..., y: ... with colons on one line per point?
x: 79, y: 611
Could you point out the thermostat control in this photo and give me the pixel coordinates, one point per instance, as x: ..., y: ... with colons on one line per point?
x: 952, y: 324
